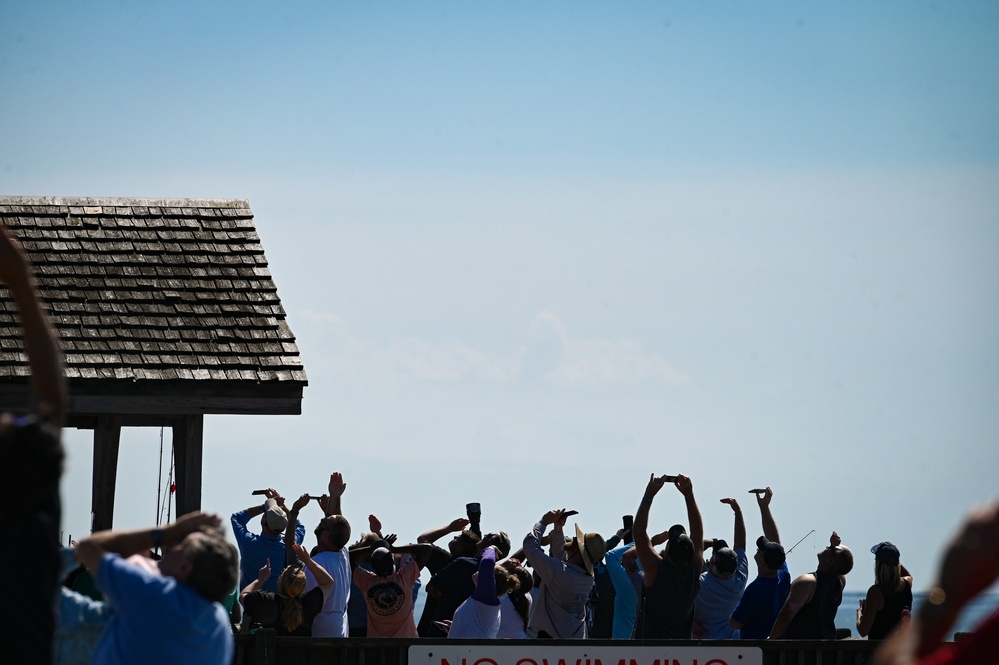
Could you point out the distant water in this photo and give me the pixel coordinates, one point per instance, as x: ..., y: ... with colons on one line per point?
x: 975, y: 612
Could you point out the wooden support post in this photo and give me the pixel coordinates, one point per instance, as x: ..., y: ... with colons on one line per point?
x: 187, y: 450
x: 107, y: 437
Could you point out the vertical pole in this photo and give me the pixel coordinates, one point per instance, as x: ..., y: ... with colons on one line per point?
x: 107, y: 437
x: 187, y: 450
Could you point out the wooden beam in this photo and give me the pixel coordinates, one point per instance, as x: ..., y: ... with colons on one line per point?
x: 188, y: 446
x: 107, y: 437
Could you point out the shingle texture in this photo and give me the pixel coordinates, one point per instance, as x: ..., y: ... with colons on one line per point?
x: 151, y: 290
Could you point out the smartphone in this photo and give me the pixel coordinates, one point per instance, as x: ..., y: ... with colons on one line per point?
x: 670, y: 479
x: 570, y: 513
x: 314, y: 498
x: 259, y: 492
x: 757, y: 491
x: 629, y: 522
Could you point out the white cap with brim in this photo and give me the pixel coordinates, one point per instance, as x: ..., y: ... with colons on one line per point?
x: 274, y: 515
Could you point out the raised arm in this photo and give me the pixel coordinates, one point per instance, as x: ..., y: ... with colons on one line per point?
x: 433, y: 535
x: 686, y: 487
x: 802, y: 590
x: 769, y: 525
x: 48, y: 380
x: 739, y: 539
x: 485, y: 581
x: 291, y: 531
x: 126, y: 543
x: 323, y: 579
x: 336, y: 489
x: 640, y: 531
x: 263, y: 575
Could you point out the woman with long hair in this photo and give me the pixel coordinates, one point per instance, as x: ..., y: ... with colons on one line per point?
x: 290, y: 611
x: 515, y: 606
x: 888, y: 598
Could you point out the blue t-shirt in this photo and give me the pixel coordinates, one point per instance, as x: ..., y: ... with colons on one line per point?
x: 718, y: 598
x: 256, y: 548
x: 158, y: 620
x: 761, y: 603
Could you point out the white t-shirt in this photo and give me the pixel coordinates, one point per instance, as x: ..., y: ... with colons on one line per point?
x: 474, y: 620
x: 512, y: 626
x: 332, y: 621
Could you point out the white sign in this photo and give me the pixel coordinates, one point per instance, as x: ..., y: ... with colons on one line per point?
x: 581, y: 654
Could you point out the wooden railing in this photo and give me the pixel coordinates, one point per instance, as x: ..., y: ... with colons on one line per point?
x: 264, y: 648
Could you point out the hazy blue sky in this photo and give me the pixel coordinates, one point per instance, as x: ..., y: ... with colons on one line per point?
x: 533, y: 252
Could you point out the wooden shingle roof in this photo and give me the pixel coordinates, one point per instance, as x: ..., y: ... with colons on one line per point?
x: 162, y: 306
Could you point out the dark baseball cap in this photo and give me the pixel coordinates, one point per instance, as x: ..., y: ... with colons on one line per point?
x: 773, y: 553
x: 887, y: 553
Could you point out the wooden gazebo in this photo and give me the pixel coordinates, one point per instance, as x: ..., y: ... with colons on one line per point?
x: 166, y: 312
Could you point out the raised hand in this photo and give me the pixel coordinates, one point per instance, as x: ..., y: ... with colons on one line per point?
x: 337, y: 486
x: 300, y: 502
x: 655, y: 484
x: 459, y: 524
x: 264, y: 573
x: 733, y: 503
x: 374, y: 524
x: 763, y: 498
x: 300, y: 552
x: 835, y: 540
x: 684, y: 484
x: 191, y: 522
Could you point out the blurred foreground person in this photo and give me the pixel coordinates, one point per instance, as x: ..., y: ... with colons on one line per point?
x: 970, y: 565
x: 31, y: 459
x: 169, y: 616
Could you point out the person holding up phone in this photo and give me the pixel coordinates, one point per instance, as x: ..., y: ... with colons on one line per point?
x: 566, y: 576
x: 254, y: 549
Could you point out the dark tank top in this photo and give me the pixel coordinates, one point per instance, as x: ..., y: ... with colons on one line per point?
x: 888, y: 616
x: 817, y: 619
x: 666, y: 610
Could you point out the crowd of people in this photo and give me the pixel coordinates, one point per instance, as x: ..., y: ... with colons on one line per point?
x: 176, y: 593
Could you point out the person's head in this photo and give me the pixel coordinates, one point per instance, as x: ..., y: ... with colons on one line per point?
x: 680, y: 550
x: 382, y: 562
x: 274, y: 520
x: 723, y: 561
x: 836, y: 560
x: 465, y: 543
x: 506, y: 581
x: 291, y: 583
x: 501, y: 541
x: 29, y: 443
x: 586, y: 549
x: 887, y: 567
x: 205, y: 562
x: 769, y: 557
x: 525, y: 580
x: 333, y: 533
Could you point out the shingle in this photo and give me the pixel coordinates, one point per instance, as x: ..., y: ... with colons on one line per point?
x: 104, y: 271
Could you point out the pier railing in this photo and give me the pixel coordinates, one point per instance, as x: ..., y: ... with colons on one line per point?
x: 264, y: 648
